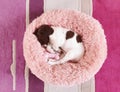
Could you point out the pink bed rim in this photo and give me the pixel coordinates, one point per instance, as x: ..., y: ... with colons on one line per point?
x: 69, y: 73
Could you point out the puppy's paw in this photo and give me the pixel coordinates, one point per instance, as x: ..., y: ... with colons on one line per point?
x: 49, y: 49
x: 51, y: 62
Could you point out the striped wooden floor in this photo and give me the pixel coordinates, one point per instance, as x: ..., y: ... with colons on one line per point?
x: 15, y: 15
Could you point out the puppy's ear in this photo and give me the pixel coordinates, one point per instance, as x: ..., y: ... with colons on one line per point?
x: 44, y: 30
x: 49, y: 29
x: 35, y: 32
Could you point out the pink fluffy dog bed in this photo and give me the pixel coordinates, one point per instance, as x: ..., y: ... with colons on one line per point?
x: 69, y: 73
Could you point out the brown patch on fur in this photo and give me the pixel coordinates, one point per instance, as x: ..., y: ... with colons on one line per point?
x: 79, y: 38
x: 69, y: 35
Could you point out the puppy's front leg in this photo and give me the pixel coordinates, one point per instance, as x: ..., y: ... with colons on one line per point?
x: 49, y: 48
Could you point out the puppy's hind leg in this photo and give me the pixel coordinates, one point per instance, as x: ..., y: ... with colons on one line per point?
x: 53, y: 62
x: 70, y: 55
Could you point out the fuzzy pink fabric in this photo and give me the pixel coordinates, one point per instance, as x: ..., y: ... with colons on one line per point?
x: 68, y: 73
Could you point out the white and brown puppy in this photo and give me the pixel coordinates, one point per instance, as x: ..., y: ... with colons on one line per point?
x: 58, y: 39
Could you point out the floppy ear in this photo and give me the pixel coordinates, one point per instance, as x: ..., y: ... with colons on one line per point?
x: 79, y: 38
x: 41, y: 30
x: 42, y: 33
x: 35, y: 32
x: 44, y: 30
x: 49, y: 30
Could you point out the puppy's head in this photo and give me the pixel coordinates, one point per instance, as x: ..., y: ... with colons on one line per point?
x: 42, y: 33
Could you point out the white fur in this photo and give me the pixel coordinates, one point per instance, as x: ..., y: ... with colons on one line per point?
x: 72, y: 49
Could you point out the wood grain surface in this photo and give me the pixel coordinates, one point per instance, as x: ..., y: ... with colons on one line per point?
x: 12, y: 26
x: 108, y: 13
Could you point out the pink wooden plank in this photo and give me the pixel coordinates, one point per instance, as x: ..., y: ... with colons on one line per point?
x: 36, y: 8
x: 12, y: 26
x: 108, y: 13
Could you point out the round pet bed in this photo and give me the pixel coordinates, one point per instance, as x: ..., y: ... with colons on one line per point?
x: 66, y: 74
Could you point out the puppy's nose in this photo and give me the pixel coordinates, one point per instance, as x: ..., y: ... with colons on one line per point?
x: 60, y: 48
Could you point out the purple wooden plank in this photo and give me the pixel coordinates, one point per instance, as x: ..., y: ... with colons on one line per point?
x: 12, y: 26
x: 35, y: 84
x: 36, y: 8
x: 108, y: 13
x: 5, y: 60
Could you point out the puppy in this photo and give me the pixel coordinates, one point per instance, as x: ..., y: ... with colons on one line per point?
x: 58, y: 39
